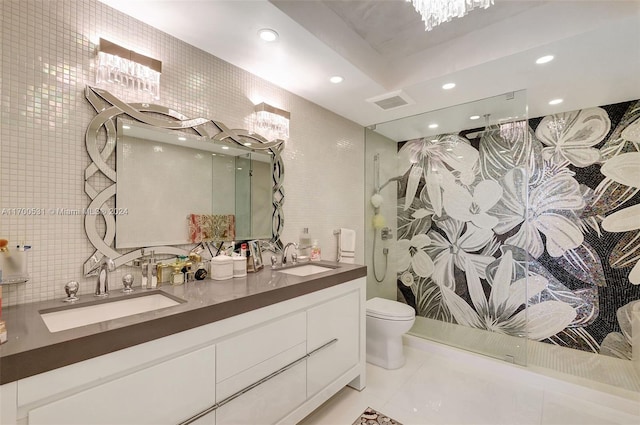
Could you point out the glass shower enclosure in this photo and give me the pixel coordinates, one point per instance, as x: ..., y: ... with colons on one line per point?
x: 501, y: 230
x: 447, y: 199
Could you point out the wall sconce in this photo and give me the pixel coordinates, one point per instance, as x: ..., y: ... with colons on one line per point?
x: 127, y: 68
x: 271, y: 122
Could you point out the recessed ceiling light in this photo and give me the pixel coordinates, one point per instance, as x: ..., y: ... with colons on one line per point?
x: 449, y: 86
x: 555, y: 102
x: 433, y: 125
x: 182, y: 139
x: 225, y: 147
x: 126, y: 127
x: 474, y: 117
x: 267, y: 34
x: 247, y: 144
x: 336, y: 79
x: 544, y: 59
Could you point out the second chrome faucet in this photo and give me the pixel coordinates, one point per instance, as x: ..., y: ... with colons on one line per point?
x: 285, y: 252
x: 105, y: 266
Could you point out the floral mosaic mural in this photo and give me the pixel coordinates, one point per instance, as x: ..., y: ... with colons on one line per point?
x: 543, y: 214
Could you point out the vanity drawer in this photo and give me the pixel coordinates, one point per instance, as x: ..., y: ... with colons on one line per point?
x: 166, y: 393
x: 336, y: 319
x: 255, y: 346
x: 260, y: 371
x: 269, y: 402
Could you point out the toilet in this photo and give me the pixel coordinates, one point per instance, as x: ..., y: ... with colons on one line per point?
x: 387, y: 320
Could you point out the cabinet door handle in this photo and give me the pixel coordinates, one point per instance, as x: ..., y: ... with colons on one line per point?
x: 257, y: 383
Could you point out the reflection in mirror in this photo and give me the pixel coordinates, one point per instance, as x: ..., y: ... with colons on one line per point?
x: 167, y: 167
x: 164, y: 176
x: 253, y: 196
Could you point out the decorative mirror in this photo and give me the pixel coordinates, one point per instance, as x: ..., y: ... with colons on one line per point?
x: 153, y: 168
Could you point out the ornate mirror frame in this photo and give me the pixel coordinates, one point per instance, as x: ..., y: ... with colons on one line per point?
x: 108, y: 108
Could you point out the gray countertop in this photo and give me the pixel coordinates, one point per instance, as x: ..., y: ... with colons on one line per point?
x: 32, y: 349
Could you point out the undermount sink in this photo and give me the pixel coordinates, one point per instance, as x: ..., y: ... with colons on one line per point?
x: 63, y: 318
x: 306, y: 270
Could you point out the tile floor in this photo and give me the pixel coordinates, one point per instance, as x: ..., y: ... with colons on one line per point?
x: 440, y: 389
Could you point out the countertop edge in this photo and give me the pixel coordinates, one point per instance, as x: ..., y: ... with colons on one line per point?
x: 31, y: 362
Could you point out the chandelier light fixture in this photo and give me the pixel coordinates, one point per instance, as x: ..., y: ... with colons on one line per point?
x: 435, y: 12
x: 271, y: 122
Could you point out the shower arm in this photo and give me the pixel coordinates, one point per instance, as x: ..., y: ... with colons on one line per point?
x: 387, y: 182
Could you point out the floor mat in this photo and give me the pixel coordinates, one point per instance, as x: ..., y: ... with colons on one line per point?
x: 373, y: 417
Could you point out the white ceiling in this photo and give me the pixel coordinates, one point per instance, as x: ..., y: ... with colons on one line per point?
x: 380, y: 46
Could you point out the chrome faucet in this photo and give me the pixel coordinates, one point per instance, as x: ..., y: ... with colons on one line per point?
x: 285, y: 251
x: 105, y: 266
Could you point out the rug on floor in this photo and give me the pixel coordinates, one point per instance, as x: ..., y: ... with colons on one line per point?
x: 373, y: 417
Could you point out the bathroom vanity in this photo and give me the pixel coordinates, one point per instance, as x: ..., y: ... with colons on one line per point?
x: 267, y: 348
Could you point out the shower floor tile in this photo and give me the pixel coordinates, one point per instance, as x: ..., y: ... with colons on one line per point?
x: 434, y: 389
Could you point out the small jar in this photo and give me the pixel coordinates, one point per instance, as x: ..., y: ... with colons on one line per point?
x: 239, y: 266
x: 221, y: 267
x: 177, y: 277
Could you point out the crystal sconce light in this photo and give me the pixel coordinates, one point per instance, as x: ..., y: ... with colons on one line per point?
x: 271, y: 122
x: 117, y: 65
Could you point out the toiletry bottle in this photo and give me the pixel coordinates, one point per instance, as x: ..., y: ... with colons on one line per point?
x: 315, y: 251
x: 145, y: 275
x: 164, y: 273
x: 304, y: 247
x: 177, y: 277
x: 152, y: 274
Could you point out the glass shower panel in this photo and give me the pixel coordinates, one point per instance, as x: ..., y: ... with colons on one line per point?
x: 381, y: 194
x: 463, y: 235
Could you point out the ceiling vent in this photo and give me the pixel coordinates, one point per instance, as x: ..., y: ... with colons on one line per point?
x: 391, y: 100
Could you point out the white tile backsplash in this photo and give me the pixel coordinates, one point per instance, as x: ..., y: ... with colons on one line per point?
x: 47, y: 58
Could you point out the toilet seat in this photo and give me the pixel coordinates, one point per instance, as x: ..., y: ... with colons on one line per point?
x: 382, y: 308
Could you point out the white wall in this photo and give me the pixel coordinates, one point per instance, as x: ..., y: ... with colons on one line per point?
x: 48, y: 53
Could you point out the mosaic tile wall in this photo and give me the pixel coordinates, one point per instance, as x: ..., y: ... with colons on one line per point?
x: 541, y: 213
x: 48, y: 53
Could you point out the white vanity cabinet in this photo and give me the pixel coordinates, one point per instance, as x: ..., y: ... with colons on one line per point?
x: 272, y: 365
x: 157, y: 394
x: 268, y: 402
x: 248, y: 360
x: 336, y: 320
